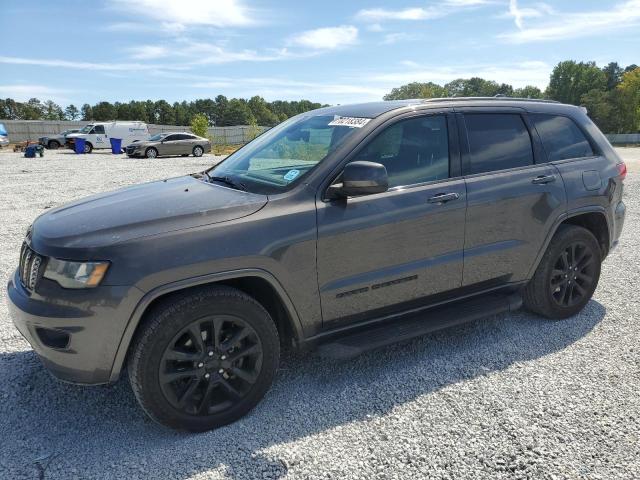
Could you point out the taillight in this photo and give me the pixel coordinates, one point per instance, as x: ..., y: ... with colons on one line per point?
x: 622, y: 170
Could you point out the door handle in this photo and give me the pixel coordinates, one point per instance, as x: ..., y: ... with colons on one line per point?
x: 543, y: 179
x: 443, y: 197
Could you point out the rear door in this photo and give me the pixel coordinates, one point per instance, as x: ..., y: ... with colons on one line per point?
x: 513, y: 196
x: 389, y: 251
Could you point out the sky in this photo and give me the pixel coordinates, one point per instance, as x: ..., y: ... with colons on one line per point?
x: 333, y: 51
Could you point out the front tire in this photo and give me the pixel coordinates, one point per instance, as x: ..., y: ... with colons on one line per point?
x: 151, y: 153
x: 53, y: 145
x: 204, y: 359
x: 88, y: 148
x: 567, y: 275
x: 198, y: 151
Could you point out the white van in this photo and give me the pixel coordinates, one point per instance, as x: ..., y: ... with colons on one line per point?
x: 97, y: 134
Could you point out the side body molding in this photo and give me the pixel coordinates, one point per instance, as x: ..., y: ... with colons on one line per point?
x: 157, y: 292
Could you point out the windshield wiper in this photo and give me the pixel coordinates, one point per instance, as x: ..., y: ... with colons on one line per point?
x: 228, y: 181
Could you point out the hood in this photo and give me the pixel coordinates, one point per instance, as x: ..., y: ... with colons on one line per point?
x: 141, y: 210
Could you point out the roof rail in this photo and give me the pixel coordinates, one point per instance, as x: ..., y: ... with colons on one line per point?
x: 501, y: 97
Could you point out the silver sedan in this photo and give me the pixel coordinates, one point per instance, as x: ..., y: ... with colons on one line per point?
x: 161, y: 144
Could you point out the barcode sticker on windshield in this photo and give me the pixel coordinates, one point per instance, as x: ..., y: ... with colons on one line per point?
x: 353, y: 122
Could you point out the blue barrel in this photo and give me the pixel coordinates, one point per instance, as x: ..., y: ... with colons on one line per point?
x: 30, y: 151
x: 79, y: 145
x: 116, y: 145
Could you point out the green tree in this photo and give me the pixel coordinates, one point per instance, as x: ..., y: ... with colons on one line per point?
x: 71, y: 112
x: 32, y: 110
x: 200, y: 124
x: 570, y: 80
x: 417, y: 90
x: 261, y: 111
x: 629, y: 90
x: 613, y: 73
x: 52, y: 111
x: 477, y: 87
x: 163, y: 113
x: 86, y: 112
x: 528, y: 92
x: 238, y: 113
x: 602, y: 108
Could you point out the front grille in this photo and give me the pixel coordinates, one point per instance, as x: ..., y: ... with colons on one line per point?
x: 30, y: 267
x: 130, y: 149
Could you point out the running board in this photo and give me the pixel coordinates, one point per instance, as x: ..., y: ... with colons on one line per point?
x: 417, y: 324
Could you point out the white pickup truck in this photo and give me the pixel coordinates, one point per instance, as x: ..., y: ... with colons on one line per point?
x: 97, y: 135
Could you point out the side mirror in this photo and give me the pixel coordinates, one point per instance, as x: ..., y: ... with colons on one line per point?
x: 361, y: 178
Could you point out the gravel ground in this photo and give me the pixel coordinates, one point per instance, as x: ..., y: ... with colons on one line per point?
x: 513, y: 396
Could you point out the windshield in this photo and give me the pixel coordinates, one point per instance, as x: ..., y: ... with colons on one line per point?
x: 3, y: 131
x: 157, y: 137
x: 283, y: 155
x: 86, y: 129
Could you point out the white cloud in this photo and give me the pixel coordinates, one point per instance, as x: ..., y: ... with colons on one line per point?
x: 329, y: 38
x: 23, y: 92
x: 176, y: 15
x: 391, y: 38
x: 517, y: 74
x: 381, y: 14
x: 560, y: 26
x: 192, y: 53
x: 437, y: 10
x: 45, y: 62
x: 519, y: 14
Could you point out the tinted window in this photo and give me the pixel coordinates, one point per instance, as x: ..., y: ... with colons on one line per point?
x: 98, y: 129
x: 561, y: 137
x: 497, y: 141
x: 413, y: 151
x: 170, y: 138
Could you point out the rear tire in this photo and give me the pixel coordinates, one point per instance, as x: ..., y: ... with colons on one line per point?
x: 53, y: 145
x: 198, y: 151
x: 199, y: 384
x: 151, y: 153
x: 567, y: 275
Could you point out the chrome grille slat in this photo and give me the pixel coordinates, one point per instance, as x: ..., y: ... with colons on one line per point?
x: 29, y: 267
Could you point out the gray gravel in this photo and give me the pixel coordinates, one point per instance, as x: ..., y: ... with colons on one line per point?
x: 513, y: 396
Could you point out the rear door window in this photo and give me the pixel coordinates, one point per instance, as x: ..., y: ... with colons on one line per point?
x: 561, y: 137
x: 497, y: 141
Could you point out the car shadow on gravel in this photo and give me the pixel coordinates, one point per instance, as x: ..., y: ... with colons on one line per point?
x: 65, y: 430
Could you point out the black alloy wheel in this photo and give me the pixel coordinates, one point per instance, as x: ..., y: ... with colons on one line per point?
x: 210, y: 365
x: 567, y: 274
x: 573, y: 274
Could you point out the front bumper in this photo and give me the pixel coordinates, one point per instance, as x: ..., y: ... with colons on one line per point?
x: 76, y: 333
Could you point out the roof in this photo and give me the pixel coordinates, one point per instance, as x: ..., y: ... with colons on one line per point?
x: 375, y: 109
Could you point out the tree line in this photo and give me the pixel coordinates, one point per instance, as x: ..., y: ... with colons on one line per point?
x: 611, y: 94
x: 220, y: 111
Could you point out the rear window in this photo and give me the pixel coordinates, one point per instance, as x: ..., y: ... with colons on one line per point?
x: 561, y: 137
x: 497, y: 141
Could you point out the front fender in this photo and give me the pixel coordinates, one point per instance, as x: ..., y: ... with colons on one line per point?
x: 159, y: 291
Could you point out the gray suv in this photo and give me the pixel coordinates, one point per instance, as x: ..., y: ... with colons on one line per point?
x: 342, y: 229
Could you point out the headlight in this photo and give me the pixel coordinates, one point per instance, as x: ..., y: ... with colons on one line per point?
x: 75, y: 274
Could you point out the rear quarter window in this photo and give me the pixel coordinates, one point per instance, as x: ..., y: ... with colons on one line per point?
x: 561, y: 137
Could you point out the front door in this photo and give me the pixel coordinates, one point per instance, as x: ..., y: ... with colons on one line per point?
x: 388, y: 251
x: 513, y: 197
x: 170, y: 145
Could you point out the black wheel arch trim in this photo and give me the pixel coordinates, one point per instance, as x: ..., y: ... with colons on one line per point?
x: 150, y: 296
x: 565, y: 216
